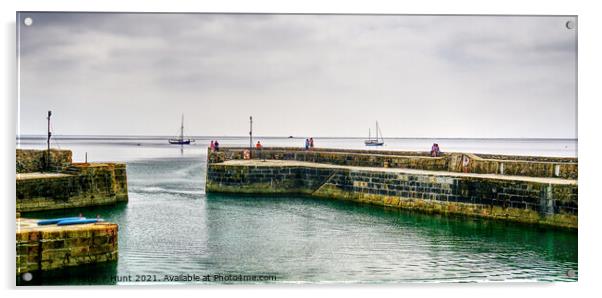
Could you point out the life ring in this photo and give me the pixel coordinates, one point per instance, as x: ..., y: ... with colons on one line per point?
x: 246, y: 154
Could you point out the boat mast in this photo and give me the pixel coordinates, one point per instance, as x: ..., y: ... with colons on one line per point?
x: 182, y: 129
x: 377, y: 131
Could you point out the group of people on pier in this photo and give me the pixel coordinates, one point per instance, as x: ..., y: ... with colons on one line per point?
x: 309, y: 143
x: 214, y: 145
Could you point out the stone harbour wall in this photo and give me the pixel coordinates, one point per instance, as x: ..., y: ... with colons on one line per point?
x: 531, y: 166
x: 266, y: 180
x: 84, y: 185
x: 412, y: 160
x: 36, y: 160
x: 553, y: 204
x: 48, y: 248
x: 477, y: 164
x: 520, y: 201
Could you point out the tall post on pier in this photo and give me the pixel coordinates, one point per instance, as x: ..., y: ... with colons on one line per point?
x: 48, y: 142
x: 251, y: 135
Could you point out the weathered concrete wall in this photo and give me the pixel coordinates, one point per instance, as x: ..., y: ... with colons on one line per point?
x: 36, y: 160
x: 550, y: 203
x: 79, y: 186
x: 454, y: 162
x: 51, y: 247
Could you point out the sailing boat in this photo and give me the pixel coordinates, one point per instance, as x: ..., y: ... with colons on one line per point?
x: 179, y: 140
x: 376, y: 141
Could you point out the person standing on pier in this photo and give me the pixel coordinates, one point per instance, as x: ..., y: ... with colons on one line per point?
x: 212, y: 146
x: 306, y: 144
x: 258, y: 145
x: 216, y: 145
x: 435, y: 150
x: 311, y: 143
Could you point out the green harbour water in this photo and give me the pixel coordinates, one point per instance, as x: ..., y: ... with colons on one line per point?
x: 170, y: 227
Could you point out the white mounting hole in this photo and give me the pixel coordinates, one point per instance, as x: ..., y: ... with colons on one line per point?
x: 27, y: 276
x: 570, y: 25
x: 28, y: 21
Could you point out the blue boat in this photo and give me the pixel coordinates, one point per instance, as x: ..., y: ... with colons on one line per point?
x: 53, y: 221
x: 78, y: 221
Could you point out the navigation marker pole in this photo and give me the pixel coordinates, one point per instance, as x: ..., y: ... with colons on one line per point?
x: 48, y: 142
x: 251, y: 135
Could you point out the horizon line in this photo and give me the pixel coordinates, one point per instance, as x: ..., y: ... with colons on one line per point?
x: 285, y: 137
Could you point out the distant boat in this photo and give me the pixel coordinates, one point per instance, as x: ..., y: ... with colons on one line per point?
x: 376, y: 141
x: 179, y: 140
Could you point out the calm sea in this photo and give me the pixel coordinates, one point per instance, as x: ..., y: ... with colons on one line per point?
x: 170, y: 227
x: 130, y: 148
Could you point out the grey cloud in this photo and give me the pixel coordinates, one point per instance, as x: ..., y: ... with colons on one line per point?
x: 420, y: 75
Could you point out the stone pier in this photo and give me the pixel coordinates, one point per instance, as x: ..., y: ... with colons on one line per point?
x: 48, y: 180
x: 59, y: 183
x: 44, y: 248
x: 536, y: 190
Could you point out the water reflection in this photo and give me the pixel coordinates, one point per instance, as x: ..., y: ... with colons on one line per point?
x: 323, y: 240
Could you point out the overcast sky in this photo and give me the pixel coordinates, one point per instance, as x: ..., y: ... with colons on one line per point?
x: 300, y: 75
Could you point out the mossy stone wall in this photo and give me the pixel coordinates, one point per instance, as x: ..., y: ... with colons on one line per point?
x: 522, y: 201
x: 453, y: 162
x: 86, y: 185
x: 58, y: 247
x: 28, y: 161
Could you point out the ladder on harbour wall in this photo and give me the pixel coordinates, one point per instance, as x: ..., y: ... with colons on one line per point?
x: 546, y: 201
